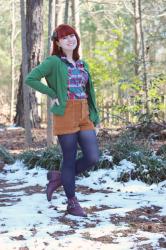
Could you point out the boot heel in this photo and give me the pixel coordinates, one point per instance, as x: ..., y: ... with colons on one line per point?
x: 47, y: 192
x: 48, y: 176
x: 54, y: 182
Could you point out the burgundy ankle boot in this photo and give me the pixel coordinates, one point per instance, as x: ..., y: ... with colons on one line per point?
x: 74, y: 208
x: 54, y: 178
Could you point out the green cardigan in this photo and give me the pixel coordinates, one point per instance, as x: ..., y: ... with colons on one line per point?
x: 56, y: 74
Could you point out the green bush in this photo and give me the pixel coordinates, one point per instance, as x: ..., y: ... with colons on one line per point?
x: 6, y: 156
x: 149, y: 168
x: 49, y: 158
x: 126, y: 146
x: 162, y: 151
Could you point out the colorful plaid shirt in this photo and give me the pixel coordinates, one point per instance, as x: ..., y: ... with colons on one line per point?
x: 77, y: 80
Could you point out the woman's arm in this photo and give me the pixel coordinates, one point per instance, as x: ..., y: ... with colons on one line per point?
x: 33, y: 79
x: 93, y: 105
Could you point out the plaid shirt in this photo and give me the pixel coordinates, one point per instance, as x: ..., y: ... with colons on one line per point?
x: 77, y: 80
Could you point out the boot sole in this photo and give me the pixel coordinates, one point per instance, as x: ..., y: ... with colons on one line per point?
x: 78, y: 215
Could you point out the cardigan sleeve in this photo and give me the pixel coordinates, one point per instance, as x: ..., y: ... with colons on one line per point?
x: 94, y: 114
x: 33, y: 79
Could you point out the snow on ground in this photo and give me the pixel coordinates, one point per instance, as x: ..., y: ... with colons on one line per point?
x: 121, y: 216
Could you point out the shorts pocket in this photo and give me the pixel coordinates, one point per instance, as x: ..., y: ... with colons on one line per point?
x: 67, y: 120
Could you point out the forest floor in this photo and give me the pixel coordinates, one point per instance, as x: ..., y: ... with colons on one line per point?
x: 121, y: 216
x: 13, y: 139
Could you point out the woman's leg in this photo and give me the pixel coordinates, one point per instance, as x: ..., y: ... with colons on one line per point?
x: 69, y: 148
x: 88, y: 142
x: 68, y: 144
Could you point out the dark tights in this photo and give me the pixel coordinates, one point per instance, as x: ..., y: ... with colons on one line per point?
x: 72, y: 167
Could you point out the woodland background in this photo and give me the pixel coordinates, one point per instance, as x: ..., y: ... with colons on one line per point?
x: 122, y: 40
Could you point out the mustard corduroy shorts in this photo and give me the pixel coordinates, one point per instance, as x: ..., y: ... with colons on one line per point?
x: 75, y: 118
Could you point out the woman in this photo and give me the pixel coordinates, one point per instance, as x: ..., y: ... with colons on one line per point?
x: 74, y: 111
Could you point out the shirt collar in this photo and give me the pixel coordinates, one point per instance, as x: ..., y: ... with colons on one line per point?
x: 64, y: 58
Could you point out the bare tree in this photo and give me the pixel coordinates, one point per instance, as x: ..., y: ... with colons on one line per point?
x: 53, y: 21
x: 34, y: 27
x: 139, y: 49
x: 66, y: 16
x: 23, y: 74
x: 50, y: 28
x: 146, y: 88
x: 75, y: 13
x: 14, y: 34
x: 140, y: 57
x: 137, y: 37
x: 34, y: 22
x: 59, y: 11
x: 12, y: 60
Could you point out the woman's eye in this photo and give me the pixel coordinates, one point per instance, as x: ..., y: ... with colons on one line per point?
x: 65, y: 37
x: 72, y: 35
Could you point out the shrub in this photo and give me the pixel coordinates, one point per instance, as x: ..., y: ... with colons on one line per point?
x: 149, y: 168
x: 126, y: 146
x: 6, y: 156
x: 49, y: 158
x: 162, y: 151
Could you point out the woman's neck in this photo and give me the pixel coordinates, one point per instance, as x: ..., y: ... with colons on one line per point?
x: 70, y: 59
x: 69, y: 55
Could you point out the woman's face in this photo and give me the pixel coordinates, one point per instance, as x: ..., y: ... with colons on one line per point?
x: 68, y: 43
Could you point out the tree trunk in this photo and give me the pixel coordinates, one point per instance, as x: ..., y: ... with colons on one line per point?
x: 34, y: 28
x: 52, y: 20
x: 76, y: 14
x: 60, y: 7
x: 24, y: 71
x: 19, y: 117
x: 140, y: 60
x: 137, y: 40
x: 57, y: 13
x: 12, y: 61
x: 75, y: 10
x: 146, y: 87
x: 50, y: 29
x: 66, y: 11
x: 34, y: 22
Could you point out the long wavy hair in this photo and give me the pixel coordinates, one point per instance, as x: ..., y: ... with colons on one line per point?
x: 61, y: 31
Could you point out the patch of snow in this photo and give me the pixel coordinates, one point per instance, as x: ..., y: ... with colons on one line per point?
x: 37, y: 220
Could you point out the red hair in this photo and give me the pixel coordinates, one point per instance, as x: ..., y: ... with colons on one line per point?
x: 60, y: 32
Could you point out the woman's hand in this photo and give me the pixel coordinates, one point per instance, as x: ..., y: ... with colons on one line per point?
x: 55, y: 101
x: 97, y: 128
